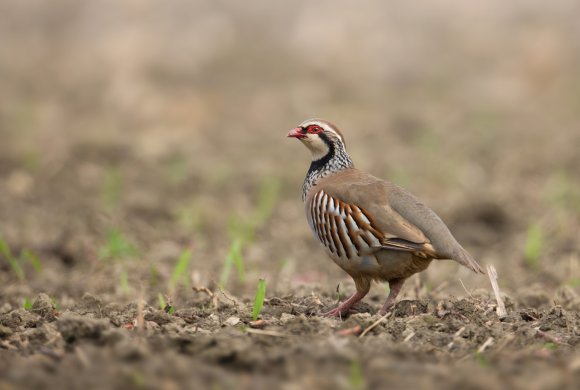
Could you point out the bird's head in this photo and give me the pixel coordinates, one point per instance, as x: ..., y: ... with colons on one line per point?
x: 320, y: 136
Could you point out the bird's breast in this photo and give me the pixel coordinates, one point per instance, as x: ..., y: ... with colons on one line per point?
x: 343, y: 229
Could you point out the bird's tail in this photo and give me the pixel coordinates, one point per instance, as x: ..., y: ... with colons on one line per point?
x: 463, y: 257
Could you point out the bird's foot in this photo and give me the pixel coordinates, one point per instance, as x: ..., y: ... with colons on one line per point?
x: 344, y: 307
x: 338, y: 311
x: 385, y: 309
x: 395, y: 287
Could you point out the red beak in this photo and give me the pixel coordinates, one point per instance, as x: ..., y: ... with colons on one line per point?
x: 296, y: 133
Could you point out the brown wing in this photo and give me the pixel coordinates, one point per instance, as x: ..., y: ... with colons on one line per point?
x: 365, y: 202
x: 403, y: 221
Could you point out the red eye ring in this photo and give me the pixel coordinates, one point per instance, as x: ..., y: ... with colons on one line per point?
x: 314, y: 129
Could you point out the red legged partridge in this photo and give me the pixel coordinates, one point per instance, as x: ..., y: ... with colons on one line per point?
x: 371, y: 228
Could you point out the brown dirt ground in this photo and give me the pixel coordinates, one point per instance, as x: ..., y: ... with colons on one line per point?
x: 122, y: 147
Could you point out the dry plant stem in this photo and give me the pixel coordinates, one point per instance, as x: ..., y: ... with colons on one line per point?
x: 549, y: 337
x: 465, y: 288
x: 227, y: 296
x: 492, y: 274
x: 409, y: 337
x: 80, y: 353
x: 487, y: 343
x: 375, y: 324
x: 212, y: 296
x: 203, y: 289
x: 140, y: 317
x: 265, y: 332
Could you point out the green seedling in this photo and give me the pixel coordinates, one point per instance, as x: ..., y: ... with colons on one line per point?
x: 27, y: 304
x: 234, y: 258
x: 259, y: 299
x: 356, y: 377
x: 573, y: 282
x: 124, y: 281
x: 111, y: 189
x: 269, y: 191
x: 138, y: 379
x: 117, y: 247
x: 191, y: 217
x: 551, y: 346
x: 238, y: 229
x: 245, y: 229
x: 533, y: 246
x: 12, y: 261
x: 29, y: 256
x: 180, y: 270
x: 162, y: 302
x: 153, y: 276
x: 164, y: 305
x: 481, y: 359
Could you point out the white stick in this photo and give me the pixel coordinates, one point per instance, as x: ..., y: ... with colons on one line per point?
x: 265, y: 332
x: 367, y: 330
x: 487, y: 343
x: 492, y: 273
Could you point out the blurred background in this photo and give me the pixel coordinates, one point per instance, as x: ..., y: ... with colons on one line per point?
x: 143, y: 149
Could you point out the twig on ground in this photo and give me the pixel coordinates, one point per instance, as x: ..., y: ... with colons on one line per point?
x: 465, y: 288
x: 459, y: 332
x: 140, y: 320
x: 203, y: 290
x: 409, y: 337
x: 492, y: 273
x: 226, y: 295
x: 375, y: 324
x: 487, y: 343
x: 265, y: 332
x: 455, y: 337
x: 549, y: 337
x: 214, y: 298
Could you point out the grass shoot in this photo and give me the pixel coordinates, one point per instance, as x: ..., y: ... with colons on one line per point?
x: 234, y: 258
x: 356, y: 377
x: 27, y: 304
x: 165, y: 305
x: 12, y: 261
x: 533, y: 246
x: 259, y: 299
x: 30, y: 257
x: 269, y: 191
x: 111, y: 189
x: 124, y: 281
x: 117, y: 247
x: 180, y: 270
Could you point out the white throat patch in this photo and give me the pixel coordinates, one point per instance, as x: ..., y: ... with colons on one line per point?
x: 318, y: 147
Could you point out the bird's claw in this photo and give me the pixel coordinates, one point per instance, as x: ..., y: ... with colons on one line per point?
x: 338, y: 311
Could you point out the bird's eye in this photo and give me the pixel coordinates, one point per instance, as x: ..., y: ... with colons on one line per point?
x: 314, y: 129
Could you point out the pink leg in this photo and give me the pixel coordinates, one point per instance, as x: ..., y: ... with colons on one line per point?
x: 395, y: 288
x: 362, y: 289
